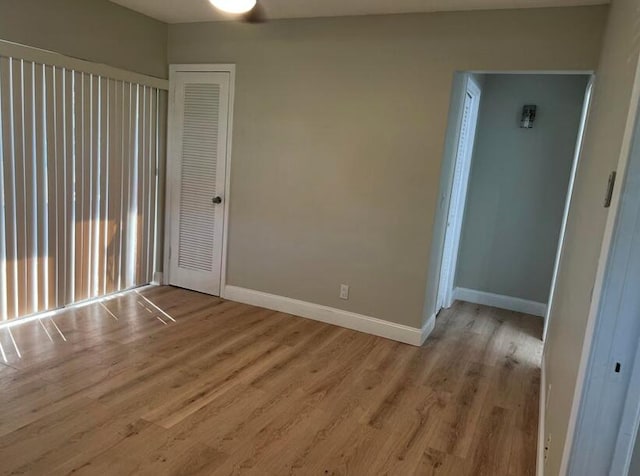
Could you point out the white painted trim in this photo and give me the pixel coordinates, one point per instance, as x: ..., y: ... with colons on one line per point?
x: 168, y: 186
x: 227, y: 179
x: 40, y: 56
x: 458, y: 193
x: 452, y: 138
x: 501, y: 301
x: 629, y: 423
x: 330, y: 315
x: 564, y: 72
x: 158, y: 278
x: 226, y: 68
x: 605, y: 248
x: 427, y: 328
x: 203, y: 68
x: 541, y: 415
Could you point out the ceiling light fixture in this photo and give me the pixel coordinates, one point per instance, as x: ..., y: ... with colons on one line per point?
x: 234, y: 6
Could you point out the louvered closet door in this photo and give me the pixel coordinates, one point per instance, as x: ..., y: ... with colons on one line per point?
x: 198, y: 158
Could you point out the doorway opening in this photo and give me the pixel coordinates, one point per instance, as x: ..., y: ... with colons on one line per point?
x: 513, y: 146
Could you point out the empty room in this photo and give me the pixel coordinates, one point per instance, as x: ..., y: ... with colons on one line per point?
x: 317, y: 237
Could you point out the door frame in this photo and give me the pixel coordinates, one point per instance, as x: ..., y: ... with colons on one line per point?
x: 446, y: 277
x: 171, y: 141
x: 605, y: 404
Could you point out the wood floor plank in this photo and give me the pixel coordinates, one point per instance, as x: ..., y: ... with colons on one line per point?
x: 149, y: 450
x: 456, y: 431
x: 493, y: 443
x: 436, y: 463
x: 81, y: 427
x: 163, y: 380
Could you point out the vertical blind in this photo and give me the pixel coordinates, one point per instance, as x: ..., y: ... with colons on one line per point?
x: 80, y: 155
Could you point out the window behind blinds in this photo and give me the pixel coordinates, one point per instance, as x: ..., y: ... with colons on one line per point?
x: 78, y: 185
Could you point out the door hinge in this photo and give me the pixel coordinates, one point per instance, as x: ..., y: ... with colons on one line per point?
x: 610, y: 184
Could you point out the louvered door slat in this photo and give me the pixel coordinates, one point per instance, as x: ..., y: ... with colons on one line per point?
x: 200, y: 115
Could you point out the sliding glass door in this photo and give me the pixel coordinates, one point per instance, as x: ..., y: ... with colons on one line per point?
x: 79, y: 190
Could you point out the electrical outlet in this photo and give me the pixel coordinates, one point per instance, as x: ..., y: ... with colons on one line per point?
x: 344, y: 291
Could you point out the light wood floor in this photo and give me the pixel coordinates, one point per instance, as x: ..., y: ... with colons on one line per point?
x: 228, y: 388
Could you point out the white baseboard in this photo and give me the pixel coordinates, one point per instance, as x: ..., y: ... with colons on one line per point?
x: 330, y: 315
x: 542, y: 410
x: 427, y: 328
x: 503, y: 302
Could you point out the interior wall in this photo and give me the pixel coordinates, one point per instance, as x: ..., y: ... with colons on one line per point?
x: 587, y: 218
x: 338, y: 138
x: 635, y: 460
x: 93, y: 30
x: 518, y: 184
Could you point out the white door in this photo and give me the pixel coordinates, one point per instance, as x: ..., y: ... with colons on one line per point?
x: 199, y: 116
x: 466, y: 139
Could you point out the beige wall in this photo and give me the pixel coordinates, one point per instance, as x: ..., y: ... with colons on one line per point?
x: 587, y: 219
x: 94, y: 30
x: 338, y: 137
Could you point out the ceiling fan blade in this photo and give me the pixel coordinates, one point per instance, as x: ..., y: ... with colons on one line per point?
x: 255, y: 15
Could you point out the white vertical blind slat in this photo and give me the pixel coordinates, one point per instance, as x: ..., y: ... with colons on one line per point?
x: 9, y: 163
x: 115, y: 184
x: 102, y: 223
x: 30, y: 185
x: 111, y: 184
x: 52, y: 174
x: 19, y: 159
x: 78, y: 185
x: 148, y: 179
x: 58, y: 207
x: 30, y: 208
x: 94, y: 189
x: 161, y: 114
x: 4, y: 149
x: 63, y: 199
x: 133, y: 227
x: 40, y: 191
x: 141, y: 257
x: 85, y: 198
x: 69, y: 187
x: 125, y: 185
x: 131, y: 215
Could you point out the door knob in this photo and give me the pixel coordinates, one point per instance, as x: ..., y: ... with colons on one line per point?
x: 216, y: 200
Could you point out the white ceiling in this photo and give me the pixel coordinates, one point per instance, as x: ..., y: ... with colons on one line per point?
x: 186, y: 11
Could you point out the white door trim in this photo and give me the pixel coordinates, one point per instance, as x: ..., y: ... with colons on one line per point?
x: 453, y: 233
x: 609, y: 408
x: 598, y: 288
x: 542, y: 410
x: 221, y: 68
